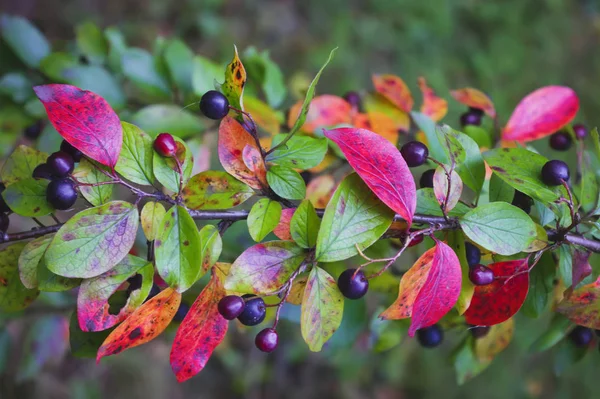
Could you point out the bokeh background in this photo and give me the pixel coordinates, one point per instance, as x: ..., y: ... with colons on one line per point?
x: 505, y: 48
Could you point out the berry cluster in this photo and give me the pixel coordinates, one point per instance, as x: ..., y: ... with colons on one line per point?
x: 478, y: 273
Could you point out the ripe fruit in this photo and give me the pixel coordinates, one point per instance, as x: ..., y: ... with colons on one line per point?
x: 267, y: 340
x: 580, y: 131
x: 481, y: 275
x: 61, y: 194
x: 417, y: 240
x: 352, y: 284
x: 165, y: 145
x: 554, y: 172
x: 254, y: 312
x: 72, y: 151
x: 581, y: 336
x: 473, y: 254
x: 183, y: 310
x: 61, y: 164
x: 471, y: 117
x: 426, y: 180
x: 4, y: 222
x: 479, y: 331
x: 214, y: 105
x: 42, y: 171
x: 430, y: 337
x: 231, y: 306
x: 32, y: 132
x: 560, y: 141
x: 353, y: 98
x: 414, y: 153
x: 3, y: 206
x: 522, y: 201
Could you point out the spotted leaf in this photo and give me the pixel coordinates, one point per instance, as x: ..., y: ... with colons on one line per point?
x: 395, y: 90
x: 215, y: 190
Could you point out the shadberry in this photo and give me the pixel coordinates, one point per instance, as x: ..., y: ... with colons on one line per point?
x: 254, y: 312
x: 3, y: 206
x: 61, y: 194
x: 522, y: 201
x: 61, y: 164
x: 414, y: 153
x: 430, y: 337
x: 580, y: 131
x: 426, y: 180
x: 165, y: 145
x: 554, y: 172
x: 353, y: 98
x: 267, y: 340
x: 183, y: 310
x: 352, y: 284
x: 581, y: 336
x: 42, y: 171
x: 214, y: 105
x: 72, y: 151
x: 231, y: 306
x: 481, y: 275
x: 479, y: 331
x: 473, y: 254
x: 560, y: 141
x: 32, y: 132
x: 471, y: 117
x: 4, y: 222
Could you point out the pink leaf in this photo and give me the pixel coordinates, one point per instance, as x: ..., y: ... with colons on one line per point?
x: 380, y: 165
x: 85, y: 120
x: 541, y: 113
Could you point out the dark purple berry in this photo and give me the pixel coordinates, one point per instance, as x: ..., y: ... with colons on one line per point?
x: 231, y: 306
x: 61, y: 194
x: 306, y: 176
x: 61, y: 164
x: 430, y: 337
x: 267, y: 340
x: 3, y: 205
x: 417, y: 240
x: 414, y: 153
x: 254, y: 312
x: 560, y: 141
x: 353, y: 98
x: 183, y: 310
x: 165, y: 145
x: 481, y: 275
x: 214, y: 105
x: 522, y: 201
x: 42, y: 171
x: 473, y: 254
x: 554, y: 172
x: 72, y: 151
x: 581, y: 336
x: 426, y: 180
x: 470, y: 118
x: 580, y: 131
x: 352, y: 284
x: 32, y: 132
x: 154, y: 291
x: 4, y: 222
x: 479, y: 331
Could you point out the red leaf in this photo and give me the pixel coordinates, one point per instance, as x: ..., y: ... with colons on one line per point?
x: 200, y: 333
x: 395, y: 90
x: 581, y: 268
x: 582, y: 306
x: 380, y: 165
x: 541, y: 113
x: 433, y: 106
x: 499, y: 301
x: 325, y: 110
x: 85, y: 120
x: 476, y: 99
x: 282, y: 231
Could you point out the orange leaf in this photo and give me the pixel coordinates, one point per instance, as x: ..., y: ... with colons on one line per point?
x: 255, y: 162
x: 320, y: 190
x: 379, y: 123
x: 433, y: 106
x: 325, y: 110
x: 282, y: 231
x: 395, y: 90
x: 144, y: 324
x: 474, y: 98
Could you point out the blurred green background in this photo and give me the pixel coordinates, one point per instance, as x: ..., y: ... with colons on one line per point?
x: 505, y: 48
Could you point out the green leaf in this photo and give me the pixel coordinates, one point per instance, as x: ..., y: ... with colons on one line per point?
x: 354, y: 216
x: 215, y: 190
x: 427, y: 204
x: 159, y: 118
x: 91, y: 42
x: 456, y: 241
x: 556, y: 331
x: 139, y: 67
x: 116, y: 48
x: 466, y: 363
x: 85, y: 344
x: 166, y: 171
x: 51, y: 282
x: 543, y: 214
x: 94, y: 240
x: 21, y: 164
x: 304, y: 226
x: 25, y: 40
x: 88, y: 172
x: 27, y: 197
x: 135, y: 160
x: 16, y: 86
x: 521, y: 169
x: 54, y: 65
x: 98, y: 80
x: 589, y: 191
x: 499, y: 227
x: 204, y: 75
x: 151, y: 217
x: 565, y: 265
x: 14, y: 295
x: 177, y: 250
x: 286, y: 182
x: 541, y: 286
x: 479, y: 135
x: 265, y: 267
x: 263, y: 70
x: 472, y: 169
x: 596, y: 140
x: 500, y: 190
x: 427, y: 125
x: 263, y: 218
x: 452, y: 148
x: 179, y: 59
x: 322, y: 309
x: 211, y: 246
x: 30, y: 258
x: 300, y: 152
x: 567, y: 354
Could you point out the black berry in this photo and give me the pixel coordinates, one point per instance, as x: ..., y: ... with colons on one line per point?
x: 560, y: 141
x: 32, y: 132
x: 430, y: 337
x: 306, y: 176
x: 65, y: 146
x: 61, y: 164
x: 471, y: 117
x: 154, y: 291
x: 353, y: 98
x: 4, y: 222
x: 522, y: 201
x: 352, y: 284
x: 267, y: 340
x: 581, y: 336
x: 231, y: 306
x: 254, y: 312
x: 580, y: 131
x: 479, y: 331
x: 165, y: 145
x: 414, y: 153
x: 61, y: 194
x: 3, y: 206
x: 481, y: 275
x: 183, y: 310
x: 135, y: 283
x: 554, y: 172
x: 214, y: 105
x: 426, y: 180
x: 473, y: 254
x: 42, y: 171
